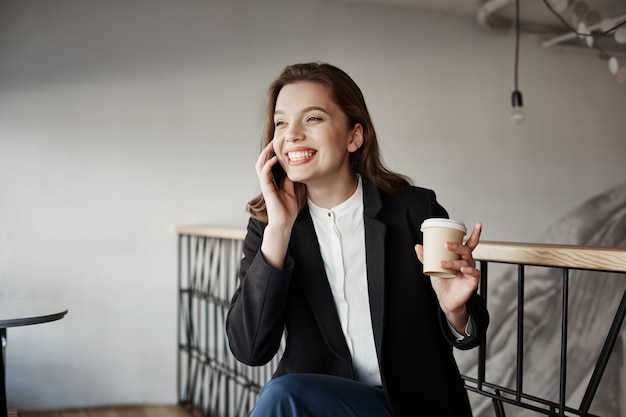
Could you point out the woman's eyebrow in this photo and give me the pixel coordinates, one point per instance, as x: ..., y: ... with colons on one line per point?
x: 306, y: 109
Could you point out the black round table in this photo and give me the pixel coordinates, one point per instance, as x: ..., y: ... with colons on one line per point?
x: 13, y: 313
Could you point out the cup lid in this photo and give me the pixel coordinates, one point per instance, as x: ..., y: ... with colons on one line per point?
x: 440, y: 222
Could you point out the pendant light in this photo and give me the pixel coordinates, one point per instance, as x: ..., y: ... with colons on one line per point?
x: 517, y: 102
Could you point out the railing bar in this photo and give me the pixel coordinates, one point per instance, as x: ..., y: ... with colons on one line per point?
x: 498, y: 407
x: 189, y: 320
x: 194, y: 265
x: 482, y: 348
x: 482, y: 286
x: 178, y: 326
x: 200, y: 389
x: 564, y: 319
x: 211, y: 387
x: 214, y: 266
x: 191, y: 274
x: 242, y: 403
x: 605, y: 354
x: 204, y: 247
x: 520, y: 331
x: 207, y: 328
x: 193, y: 380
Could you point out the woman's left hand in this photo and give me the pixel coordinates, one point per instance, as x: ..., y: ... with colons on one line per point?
x: 453, y: 293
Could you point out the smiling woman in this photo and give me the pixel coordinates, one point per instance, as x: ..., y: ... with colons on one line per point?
x: 338, y: 91
x: 325, y: 251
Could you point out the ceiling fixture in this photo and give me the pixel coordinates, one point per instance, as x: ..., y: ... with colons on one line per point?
x: 596, y: 32
x: 577, y: 27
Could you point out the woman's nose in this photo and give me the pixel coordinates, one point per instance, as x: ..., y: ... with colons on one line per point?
x: 294, y: 133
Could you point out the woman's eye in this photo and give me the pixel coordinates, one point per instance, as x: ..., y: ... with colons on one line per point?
x: 313, y: 119
x: 278, y: 123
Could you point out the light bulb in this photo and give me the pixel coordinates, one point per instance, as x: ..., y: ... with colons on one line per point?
x: 517, y: 114
x: 613, y: 65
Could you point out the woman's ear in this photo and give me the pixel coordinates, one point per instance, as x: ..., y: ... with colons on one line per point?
x: 356, y: 138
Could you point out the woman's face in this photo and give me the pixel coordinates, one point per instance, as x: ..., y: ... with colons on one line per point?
x: 312, y: 137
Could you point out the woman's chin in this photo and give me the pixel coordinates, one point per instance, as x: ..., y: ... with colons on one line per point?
x: 298, y: 178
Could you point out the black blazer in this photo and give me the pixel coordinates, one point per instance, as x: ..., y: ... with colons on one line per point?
x: 412, y: 337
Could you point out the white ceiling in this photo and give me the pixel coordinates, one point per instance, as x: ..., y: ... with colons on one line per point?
x: 535, y: 17
x: 534, y: 11
x: 466, y: 8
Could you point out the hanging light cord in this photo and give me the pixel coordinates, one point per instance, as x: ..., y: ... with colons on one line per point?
x: 517, y: 116
x: 517, y: 36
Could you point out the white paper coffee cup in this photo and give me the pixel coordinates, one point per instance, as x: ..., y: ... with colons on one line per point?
x: 436, y: 233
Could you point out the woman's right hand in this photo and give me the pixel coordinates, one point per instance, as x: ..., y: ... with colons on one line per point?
x: 282, y: 209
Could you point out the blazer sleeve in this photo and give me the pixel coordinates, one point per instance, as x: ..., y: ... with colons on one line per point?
x: 255, y: 323
x: 479, y: 317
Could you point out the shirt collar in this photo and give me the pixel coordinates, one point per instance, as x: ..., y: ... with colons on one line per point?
x: 354, y: 202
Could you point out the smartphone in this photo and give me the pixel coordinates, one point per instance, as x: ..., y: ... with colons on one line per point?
x: 278, y: 175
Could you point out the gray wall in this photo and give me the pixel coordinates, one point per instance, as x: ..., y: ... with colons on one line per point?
x: 120, y: 120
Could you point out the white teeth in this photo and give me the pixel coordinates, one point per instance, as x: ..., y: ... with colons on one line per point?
x: 300, y: 155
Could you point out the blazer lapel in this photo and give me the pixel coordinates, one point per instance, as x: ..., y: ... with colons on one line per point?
x: 314, y: 282
x: 375, y: 258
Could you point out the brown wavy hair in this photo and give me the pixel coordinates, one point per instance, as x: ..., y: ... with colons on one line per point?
x: 366, y: 161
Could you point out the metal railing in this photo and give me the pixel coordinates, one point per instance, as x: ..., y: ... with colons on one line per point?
x: 564, y: 263
x: 212, y: 383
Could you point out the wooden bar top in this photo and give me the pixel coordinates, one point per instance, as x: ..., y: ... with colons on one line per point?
x: 552, y: 255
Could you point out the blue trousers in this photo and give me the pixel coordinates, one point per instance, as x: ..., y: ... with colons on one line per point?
x: 314, y: 395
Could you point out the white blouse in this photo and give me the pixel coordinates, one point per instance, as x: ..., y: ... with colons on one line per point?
x: 341, y: 236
